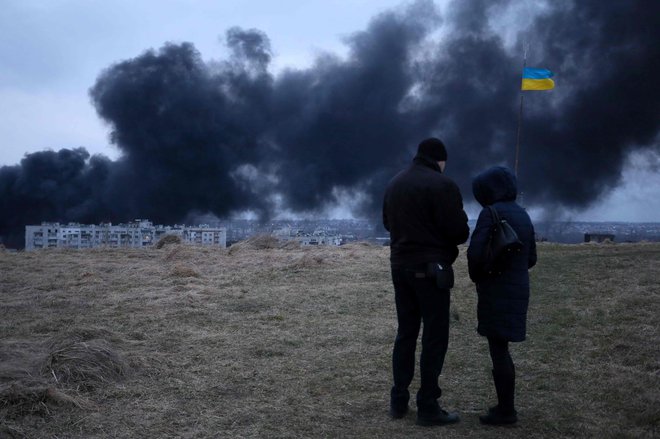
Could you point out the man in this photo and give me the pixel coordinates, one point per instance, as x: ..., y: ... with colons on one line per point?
x: 423, y: 211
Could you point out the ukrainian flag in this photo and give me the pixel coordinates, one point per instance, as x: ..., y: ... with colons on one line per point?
x: 537, y: 79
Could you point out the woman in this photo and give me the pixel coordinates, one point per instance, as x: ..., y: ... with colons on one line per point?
x: 503, y: 296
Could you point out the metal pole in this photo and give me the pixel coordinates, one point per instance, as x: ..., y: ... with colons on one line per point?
x: 520, y: 113
x: 515, y: 168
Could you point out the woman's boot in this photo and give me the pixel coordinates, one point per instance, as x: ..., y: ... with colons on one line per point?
x: 504, y: 412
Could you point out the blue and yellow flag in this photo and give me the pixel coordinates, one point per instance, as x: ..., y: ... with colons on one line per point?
x: 537, y: 79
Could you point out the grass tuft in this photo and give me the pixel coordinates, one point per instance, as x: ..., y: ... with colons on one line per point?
x: 85, y: 364
x: 168, y: 240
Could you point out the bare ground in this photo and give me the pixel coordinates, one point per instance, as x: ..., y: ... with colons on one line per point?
x: 263, y: 341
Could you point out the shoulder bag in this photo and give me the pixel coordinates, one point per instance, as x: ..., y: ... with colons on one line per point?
x: 502, y: 244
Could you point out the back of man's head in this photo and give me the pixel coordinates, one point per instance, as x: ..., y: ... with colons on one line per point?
x: 432, y: 148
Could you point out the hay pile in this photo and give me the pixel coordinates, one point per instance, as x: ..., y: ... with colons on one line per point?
x: 181, y: 252
x: 58, y: 373
x: 263, y: 242
x: 168, y: 239
x: 85, y: 364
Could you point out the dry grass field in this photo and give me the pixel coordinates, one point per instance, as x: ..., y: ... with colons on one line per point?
x: 261, y: 341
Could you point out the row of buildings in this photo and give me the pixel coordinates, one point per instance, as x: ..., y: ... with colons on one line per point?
x: 320, y: 236
x: 143, y: 233
x: 137, y: 234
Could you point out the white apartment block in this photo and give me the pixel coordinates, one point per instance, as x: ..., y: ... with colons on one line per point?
x: 137, y: 234
x: 319, y: 237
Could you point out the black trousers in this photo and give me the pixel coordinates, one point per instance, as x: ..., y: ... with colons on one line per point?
x: 418, y: 299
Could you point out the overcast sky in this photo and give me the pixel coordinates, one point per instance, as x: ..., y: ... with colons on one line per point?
x: 53, y: 50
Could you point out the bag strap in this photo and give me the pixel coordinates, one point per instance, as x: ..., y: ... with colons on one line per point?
x: 494, y: 215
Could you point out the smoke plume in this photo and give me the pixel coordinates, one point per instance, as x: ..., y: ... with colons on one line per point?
x: 227, y: 136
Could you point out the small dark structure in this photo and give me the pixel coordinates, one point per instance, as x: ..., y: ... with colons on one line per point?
x: 598, y: 237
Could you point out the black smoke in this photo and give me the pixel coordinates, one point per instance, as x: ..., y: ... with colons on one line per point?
x: 228, y: 136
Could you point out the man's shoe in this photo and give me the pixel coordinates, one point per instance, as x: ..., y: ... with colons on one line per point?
x: 398, y: 412
x: 441, y: 417
x: 497, y: 416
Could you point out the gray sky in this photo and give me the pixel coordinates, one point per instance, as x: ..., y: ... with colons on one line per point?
x: 53, y: 50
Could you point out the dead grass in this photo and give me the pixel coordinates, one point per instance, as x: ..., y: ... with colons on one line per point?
x: 183, y: 270
x: 167, y: 240
x: 263, y: 242
x: 259, y: 242
x: 85, y: 364
x: 265, y: 341
x: 36, y: 378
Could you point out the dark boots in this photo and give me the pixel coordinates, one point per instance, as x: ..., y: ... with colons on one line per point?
x: 430, y: 414
x: 441, y: 417
x: 399, y: 403
x: 504, y: 412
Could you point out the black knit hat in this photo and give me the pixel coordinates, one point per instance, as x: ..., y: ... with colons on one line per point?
x: 433, y: 148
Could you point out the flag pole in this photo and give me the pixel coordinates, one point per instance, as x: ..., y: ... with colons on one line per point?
x: 520, y: 113
x: 518, y: 136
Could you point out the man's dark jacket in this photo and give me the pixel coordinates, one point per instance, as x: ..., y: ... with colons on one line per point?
x: 504, y: 298
x: 423, y: 211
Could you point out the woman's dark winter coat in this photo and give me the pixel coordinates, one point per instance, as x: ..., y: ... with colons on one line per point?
x: 503, y: 298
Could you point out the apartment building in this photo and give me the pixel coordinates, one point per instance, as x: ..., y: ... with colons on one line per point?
x: 137, y: 234
x: 320, y: 236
